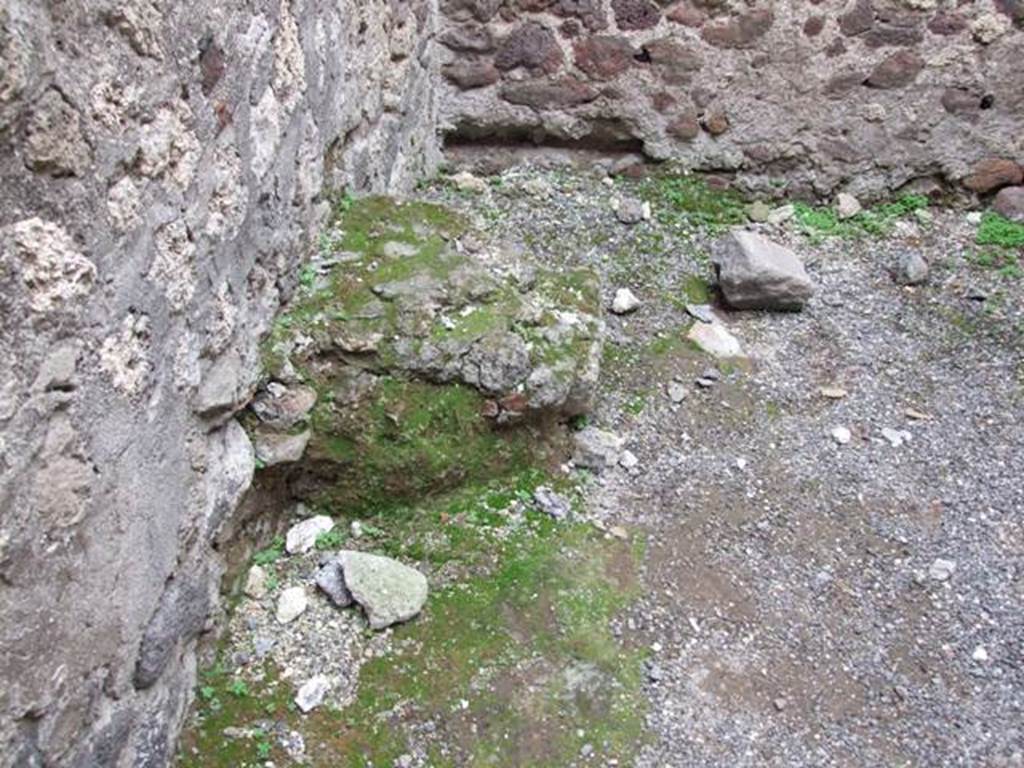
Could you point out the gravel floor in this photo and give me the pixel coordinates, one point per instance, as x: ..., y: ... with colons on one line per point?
x: 809, y: 603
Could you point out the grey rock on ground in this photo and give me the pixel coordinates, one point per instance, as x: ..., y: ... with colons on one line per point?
x: 331, y: 580
x: 1010, y: 203
x: 388, y: 591
x: 552, y: 503
x: 755, y: 273
x: 847, y: 206
x: 912, y: 269
x: 311, y: 694
x: 291, y: 604
x: 597, y: 449
x: 702, y: 312
x: 941, y: 569
x: 715, y: 339
x: 625, y: 301
x: 631, y: 211
x: 256, y: 582
x: 676, y: 392
x: 759, y: 211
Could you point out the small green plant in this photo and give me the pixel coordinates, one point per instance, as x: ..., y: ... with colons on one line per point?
x: 271, y: 554
x: 239, y: 689
x: 307, y: 276
x: 690, y: 200
x: 272, y: 582
x: 331, y: 539
x: 636, y: 404
x: 263, y: 749
x: 1003, y: 261
x: 207, y: 692
x: 823, y: 221
x: 344, y: 203
x: 1000, y: 231
x: 579, y: 422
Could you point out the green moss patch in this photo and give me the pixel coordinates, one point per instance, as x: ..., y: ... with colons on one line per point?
x: 1000, y: 231
x: 233, y: 718
x: 380, y: 335
x: 689, y: 200
x: 513, y: 661
x: 823, y: 221
x: 404, y: 440
x: 510, y: 666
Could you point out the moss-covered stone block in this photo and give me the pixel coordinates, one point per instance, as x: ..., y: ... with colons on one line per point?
x: 422, y: 354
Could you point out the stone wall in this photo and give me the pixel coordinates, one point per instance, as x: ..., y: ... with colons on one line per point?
x: 801, y: 98
x: 164, y: 164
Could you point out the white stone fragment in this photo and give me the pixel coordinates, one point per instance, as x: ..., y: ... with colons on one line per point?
x: 311, y: 694
x: 291, y: 604
x: 302, y: 536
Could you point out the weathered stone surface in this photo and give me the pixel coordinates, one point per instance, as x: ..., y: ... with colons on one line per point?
x: 273, y: 448
x: 961, y: 101
x: 471, y: 74
x: 896, y: 71
x: 480, y: 10
x: 993, y: 173
x: 858, y: 19
x: 164, y: 168
x: 947, y: 23
x: 388, y: 591
x: 474, y: 38
x: 755, y: 273
x: 531, y: 46
x: 684, y: 13
x: 551, y: 94
x: 603, y: 56
x: 674, y: 62
x: 704, y: 45
x: 180, y: 615
x: 54, y: 142
x: 635, y: 14
x: 53, y: 273
x: 591, y: 13
x: 282, y: 407
x: 715, y: 122
x: 739, y: 31
x: 685, y: 127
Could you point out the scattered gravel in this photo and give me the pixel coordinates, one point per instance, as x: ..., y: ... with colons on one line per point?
x: 805, y: 604
x: 815, y: 607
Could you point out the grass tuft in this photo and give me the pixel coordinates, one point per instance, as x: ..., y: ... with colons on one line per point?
x: 877, y: 221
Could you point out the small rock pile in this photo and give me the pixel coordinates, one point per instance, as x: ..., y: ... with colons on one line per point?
x: 387, y: 591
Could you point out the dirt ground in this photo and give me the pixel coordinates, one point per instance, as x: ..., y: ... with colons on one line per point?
x: 787, y: 599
